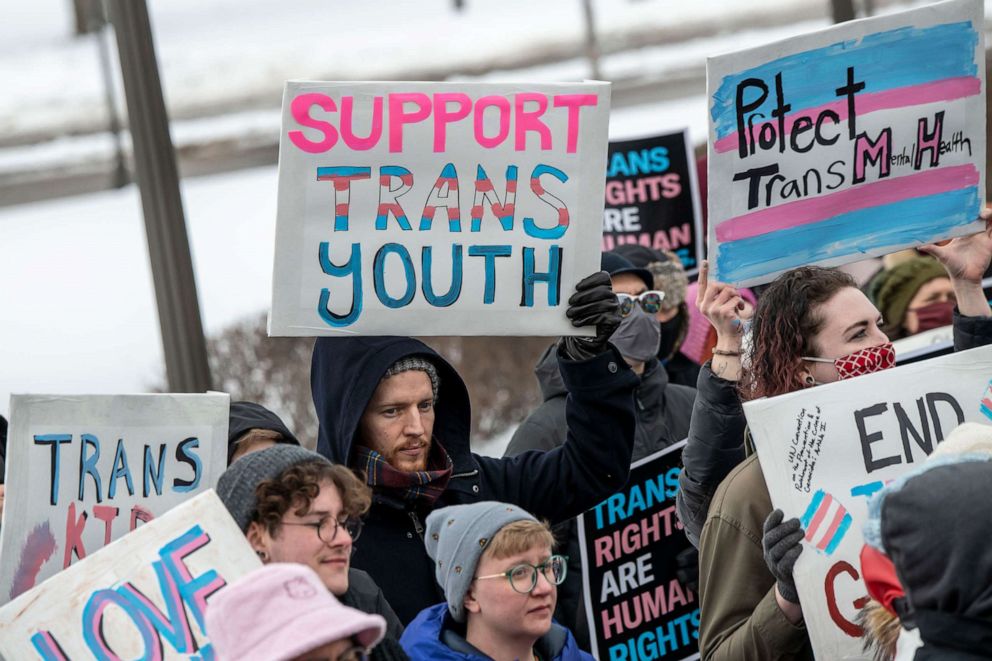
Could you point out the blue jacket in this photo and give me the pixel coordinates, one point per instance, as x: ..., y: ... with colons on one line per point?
x: 431, y: 638
x: 593, y: 462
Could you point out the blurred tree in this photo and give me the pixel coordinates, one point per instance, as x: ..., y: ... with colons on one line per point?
x: 275, y: 372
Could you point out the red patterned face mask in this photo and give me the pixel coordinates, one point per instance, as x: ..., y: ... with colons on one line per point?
x: 863, y: 361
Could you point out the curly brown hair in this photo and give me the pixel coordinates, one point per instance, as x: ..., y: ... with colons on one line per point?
x: 296, y: 487
x: 782, y: 331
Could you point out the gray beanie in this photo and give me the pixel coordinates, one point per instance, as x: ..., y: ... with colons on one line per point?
x: 456, y: 537
x: 236, y: 486
x: 418, y: 363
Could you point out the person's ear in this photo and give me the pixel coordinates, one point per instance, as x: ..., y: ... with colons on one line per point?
x: 807, y: 378
x: 470, y: 602
x: 260, y: 540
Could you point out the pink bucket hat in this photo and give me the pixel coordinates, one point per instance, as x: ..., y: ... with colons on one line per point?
x: 281, y: 611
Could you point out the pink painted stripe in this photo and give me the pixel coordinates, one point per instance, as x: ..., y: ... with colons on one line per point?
x: 821, y: 513
x: 877, y: 193
x: 832, y: 530
x: 948, y: 89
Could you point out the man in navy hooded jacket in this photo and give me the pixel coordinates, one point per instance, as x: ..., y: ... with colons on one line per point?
x: 394, y: 410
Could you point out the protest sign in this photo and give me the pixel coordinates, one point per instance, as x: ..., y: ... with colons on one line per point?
x: 652, y: 197
x: 855, y: 140
x: 400, y: 209
x: 824, y: 451
x: 134, y: 598
x: 636, y: 606
x: 922, y: 346
x: 83, y: 470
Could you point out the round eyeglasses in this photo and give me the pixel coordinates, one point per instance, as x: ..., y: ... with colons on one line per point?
x: 650, y: 302
x: 327, y: 527
x: 523, y: 577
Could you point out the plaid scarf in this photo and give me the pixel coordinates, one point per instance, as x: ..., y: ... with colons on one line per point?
x: 401, y: 487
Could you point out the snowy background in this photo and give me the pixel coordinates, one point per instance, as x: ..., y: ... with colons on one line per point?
x: 78, y: 310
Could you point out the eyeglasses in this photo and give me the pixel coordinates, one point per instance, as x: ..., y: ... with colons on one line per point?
x: 523, y: 577
x: 650, y: 302
x: 327, y: 527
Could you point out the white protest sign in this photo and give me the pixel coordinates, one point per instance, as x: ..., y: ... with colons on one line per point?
x: 158, y: 580
x: 824, y: 451
x: 437, y: 208
x: 83, y: 470
x: 855, y: 140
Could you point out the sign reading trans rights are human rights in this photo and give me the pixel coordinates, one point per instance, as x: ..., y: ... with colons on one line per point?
x: 437, y: 208
x: 856, y: 140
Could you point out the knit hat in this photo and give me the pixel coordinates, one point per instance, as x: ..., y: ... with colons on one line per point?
x: 894, y: 289
x: 246, y: 416
x: 416, y: 363
x: 965, y: 438
x: 456, y: 538
x: 665, y: 267
x: 281, y: 611
x: 236, y: 486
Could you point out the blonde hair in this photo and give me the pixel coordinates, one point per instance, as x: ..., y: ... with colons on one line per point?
x: 519, y: 537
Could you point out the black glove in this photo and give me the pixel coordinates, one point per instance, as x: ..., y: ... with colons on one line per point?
x: 781, y: 544
x: 593, y: 303
x: 688, y: 568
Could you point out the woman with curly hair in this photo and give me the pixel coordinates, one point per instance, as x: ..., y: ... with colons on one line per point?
x: 296, y: 506
x: 811, y: 326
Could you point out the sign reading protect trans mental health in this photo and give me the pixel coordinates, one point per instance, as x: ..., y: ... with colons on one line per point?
x: 855, y: 140
x: 636, y: 606
x: 437, y: 208
x: 825, y: 451
x: 652, y: 197
x: 84, y: 470
x: 142, y: 597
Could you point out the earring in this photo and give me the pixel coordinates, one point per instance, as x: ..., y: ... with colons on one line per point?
x: 809, y: 381
x: 262, y: 555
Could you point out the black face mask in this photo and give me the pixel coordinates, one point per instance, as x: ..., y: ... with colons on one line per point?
x: 669, y: 335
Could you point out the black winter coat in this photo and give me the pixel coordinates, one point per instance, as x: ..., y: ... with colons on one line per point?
x: 557, y: 485
x: 364, y: 595
x: 663, y: 411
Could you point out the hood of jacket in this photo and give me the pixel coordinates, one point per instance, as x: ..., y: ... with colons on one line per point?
x: 245, y: 416
x: 344, y: 373
x: 431, y: 636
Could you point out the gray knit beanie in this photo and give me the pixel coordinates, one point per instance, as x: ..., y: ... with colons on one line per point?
x: 236, y: 486
x: 456, y: 537
x: 418, y: 363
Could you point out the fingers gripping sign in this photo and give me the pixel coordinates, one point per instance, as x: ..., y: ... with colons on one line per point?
x: 966, y: 260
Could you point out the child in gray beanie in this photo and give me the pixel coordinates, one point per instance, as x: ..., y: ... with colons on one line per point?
x: 496, y: 566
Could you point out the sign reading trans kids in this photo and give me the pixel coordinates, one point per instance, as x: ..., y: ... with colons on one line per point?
x: 142, y: 597
x: 84, y: 470
x: 851, y: 141
x: 437, y: 208
x: 637, y: 607
x: 825, y: 451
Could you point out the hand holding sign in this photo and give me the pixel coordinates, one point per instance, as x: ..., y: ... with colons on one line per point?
x: 592, y: 304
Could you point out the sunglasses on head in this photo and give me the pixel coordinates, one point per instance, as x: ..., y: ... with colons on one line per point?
x: 650, y: 302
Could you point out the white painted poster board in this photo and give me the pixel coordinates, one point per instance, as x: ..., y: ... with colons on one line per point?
x: 856, y: 140
x: 83, y: 470
x: 824, y: 451
x: 437, y: 208
x: 149, y: 589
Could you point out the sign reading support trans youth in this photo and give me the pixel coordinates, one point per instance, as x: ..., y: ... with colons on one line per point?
x: 856, y: 140
x: 652, y: 197
x: 636, y: 606
x: 437, y: 208
x: 137, y: 598
x: 826, y: 450
x: 84, y: 470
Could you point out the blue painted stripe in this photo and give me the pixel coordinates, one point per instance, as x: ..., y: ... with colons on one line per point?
x: 811, y: 510
x: 845, y: 523
x: 908, y: 221
x: 884, y: 60
x: 341, y: 171
x: 867, y: 490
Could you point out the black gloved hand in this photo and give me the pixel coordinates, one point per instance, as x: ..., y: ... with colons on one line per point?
x: 688, y: 568
x: 592, y: 304
x: 781, y: 544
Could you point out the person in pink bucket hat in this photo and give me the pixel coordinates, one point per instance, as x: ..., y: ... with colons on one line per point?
x: 283, y: 612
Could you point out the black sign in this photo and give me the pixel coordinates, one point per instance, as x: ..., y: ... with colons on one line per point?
x: 637, y: 608
x: 652, y: 197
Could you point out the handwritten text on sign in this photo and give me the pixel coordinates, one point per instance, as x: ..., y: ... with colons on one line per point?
x: 859, y: 139
x: 441, y: 207
x: 637, y: 608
